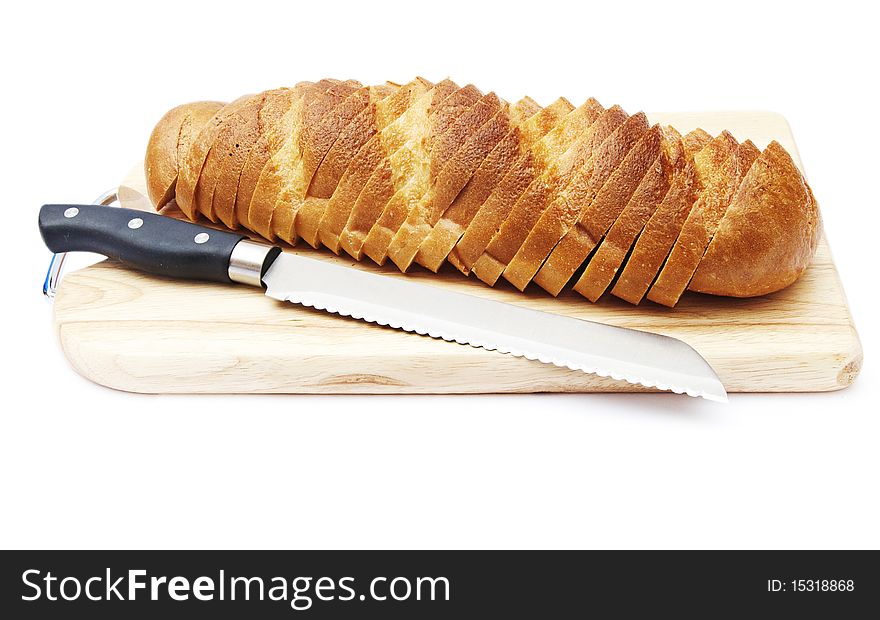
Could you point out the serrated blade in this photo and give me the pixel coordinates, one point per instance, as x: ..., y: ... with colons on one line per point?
x: 641, y: 358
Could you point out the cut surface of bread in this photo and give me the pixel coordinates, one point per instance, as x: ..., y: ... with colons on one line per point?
x: 452, y: 224
x: 612, y: 252
x: 562, y: 213
x: 280, y: 140
x: 402, y: 147
x: 369, y: 157
x: 721, y: 165
x: 342, y: 154
x: 409, y: 173
x: 344, y: 123
x: 299, y: 156
x: 558, y: 156
x: 768, y: 234
x: 468, y: 141
x: 545, y: 167
x: 504, y: 198
x: 601, y: 193
x: 662, y: 229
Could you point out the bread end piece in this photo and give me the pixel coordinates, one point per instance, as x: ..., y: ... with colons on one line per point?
x: 768, y: 235
x: 174, y: 132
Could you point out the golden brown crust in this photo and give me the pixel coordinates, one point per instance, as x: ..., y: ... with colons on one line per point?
x: 661, y: 231
x: 299, y: 152
x: 322, y: 124
x: 232, y: 145
x: 558, y: 217
x: 768, y: 234
x: 192, y: 160
x: 448, y: 230
x: 603, y: 196
x: 169, y: 140
x: 609, y: 256
x: 470, y: 139
x: 495, y: 206
x: 721, y: 165
x: 404, y: 174
x: 495, y: 211
x: 319, y: 127
x: 203, y: 198
x: 351, y: 134
x: 562, y: 152
x: 275, y: 104
x: 562, y: 213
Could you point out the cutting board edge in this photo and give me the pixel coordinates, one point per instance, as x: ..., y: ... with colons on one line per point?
x: 494, y: 374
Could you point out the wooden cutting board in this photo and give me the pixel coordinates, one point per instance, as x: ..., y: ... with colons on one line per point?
x: 148, y: 334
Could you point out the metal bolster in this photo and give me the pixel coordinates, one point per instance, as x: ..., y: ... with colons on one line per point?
x: 249, y: 261
x: 56, y: 265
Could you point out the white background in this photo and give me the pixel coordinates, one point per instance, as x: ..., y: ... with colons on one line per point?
x: 83, y: 466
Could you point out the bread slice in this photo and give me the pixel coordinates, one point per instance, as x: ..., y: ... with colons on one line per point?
x: 281, y: 137
x: 561, y: 214
x: 231, y: 147
x: 169, y: 143
x: 662, y: 229
x: 469, y: 140
x: 516, y: 178
x: 275, y: 104
x: 193, y: 160
x: 408, y: 145
x: 597, y: 195
x: 352, y: 131
x: 612, y: 252
x: 721, y: 165
x: 369, y: 157
x: 768, y: 234
x: 451, y: 226
x: 549, y: 169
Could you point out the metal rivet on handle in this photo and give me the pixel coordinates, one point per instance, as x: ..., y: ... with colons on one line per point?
x: 135, y: 223
x: 201, y: 237
x: 71, y: 212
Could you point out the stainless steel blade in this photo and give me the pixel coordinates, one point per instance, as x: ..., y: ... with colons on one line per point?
x: 643, y: 358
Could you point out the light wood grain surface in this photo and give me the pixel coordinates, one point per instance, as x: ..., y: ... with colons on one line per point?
x: 147, y: 334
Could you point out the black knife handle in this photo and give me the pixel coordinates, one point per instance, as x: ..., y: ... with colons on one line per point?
x: 146, y: 241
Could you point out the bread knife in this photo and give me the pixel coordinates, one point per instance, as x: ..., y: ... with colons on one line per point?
x: 161, y: 245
